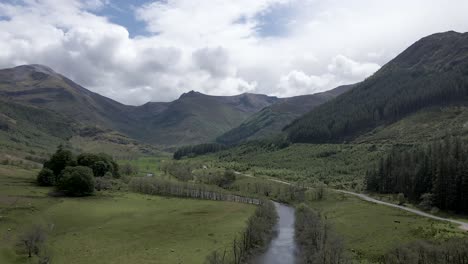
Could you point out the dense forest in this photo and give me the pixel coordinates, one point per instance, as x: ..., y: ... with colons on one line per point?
x: 195, y: 150
x: 434, y: 175
x: 432, y: 72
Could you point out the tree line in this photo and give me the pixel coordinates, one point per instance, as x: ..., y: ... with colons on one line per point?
x: 196, y: 150
x: 280, y: 192
x: 185, y: 171
x: 161, y: 187
x: 453, y: 251
x: 317, y: 242
x: 256, y: 236
x: 433, y: 175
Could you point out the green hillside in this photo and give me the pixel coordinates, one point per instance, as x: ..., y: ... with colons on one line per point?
x: 432, y: 72
x: 426, y: 125
x: 31, y: 130
x: 271, y: 120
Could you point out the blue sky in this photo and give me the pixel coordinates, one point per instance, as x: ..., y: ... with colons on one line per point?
x: 122, y: 12
x: 139, y: 51
x: 272, y: 23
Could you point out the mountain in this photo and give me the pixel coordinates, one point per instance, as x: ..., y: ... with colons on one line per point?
x: 40, y: 86
x: 271, y: 120
x: 432, y: 73
x: 31, y: 90
x: 196, y: 117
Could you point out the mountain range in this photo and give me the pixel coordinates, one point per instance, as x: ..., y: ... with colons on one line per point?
x: 41, y: 106
x: 421, y: 93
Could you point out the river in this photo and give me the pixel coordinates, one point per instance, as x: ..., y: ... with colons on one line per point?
x: 282, y: 248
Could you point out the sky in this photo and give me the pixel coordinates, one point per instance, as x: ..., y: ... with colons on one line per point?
x: 140, y: 50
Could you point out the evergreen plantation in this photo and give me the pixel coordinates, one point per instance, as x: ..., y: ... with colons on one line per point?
x: 432, y: 72
x: 433, y: 176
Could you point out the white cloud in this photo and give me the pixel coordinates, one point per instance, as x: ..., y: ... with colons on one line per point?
x: 215, y: 61
x: 214, y: 46
x: 348, y: 69
x: 297, y: 82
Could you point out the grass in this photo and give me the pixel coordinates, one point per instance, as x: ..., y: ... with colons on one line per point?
x: 115, y: 227
x: 371, y: 230
x: 145, y: 165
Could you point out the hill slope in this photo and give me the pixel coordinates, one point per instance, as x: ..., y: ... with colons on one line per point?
x: 40, y: 86
x: 271, y: 120
x: 432, y: 72
x: 196, y: 118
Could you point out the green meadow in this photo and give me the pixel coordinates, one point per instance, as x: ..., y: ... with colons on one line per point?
x: 114, y: 227
x: 371, y: 230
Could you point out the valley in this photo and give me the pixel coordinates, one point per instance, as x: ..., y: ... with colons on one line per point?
x: 372, y: 172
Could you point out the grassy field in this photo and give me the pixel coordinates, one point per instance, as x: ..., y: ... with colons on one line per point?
x: 145, y: 165
x: 371, y: 230
x: 338, y: 165
x: 114, y: 227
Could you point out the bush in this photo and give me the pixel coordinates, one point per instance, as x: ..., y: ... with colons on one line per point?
x: 46, y: 177
x: 76, y: 181
x: 103, y: 183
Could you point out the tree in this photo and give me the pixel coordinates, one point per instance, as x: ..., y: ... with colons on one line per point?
x: 401, y: 199
x: 99, y: 163
x: 427, y: 201
x: 128, y: 169
x: 46, y: 177
x: 61, y: 159
x: 32, y: 241
x: 100, y: 168
x: 77, y: 181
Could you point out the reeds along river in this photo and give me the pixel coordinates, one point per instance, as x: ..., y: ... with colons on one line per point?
x: 282, y: 248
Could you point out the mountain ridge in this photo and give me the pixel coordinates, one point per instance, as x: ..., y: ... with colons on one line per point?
x: 192, y: 118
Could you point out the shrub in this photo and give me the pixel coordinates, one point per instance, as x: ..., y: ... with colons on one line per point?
x: 46, y: 177
x: 103, y: 183
x: 76, y: 181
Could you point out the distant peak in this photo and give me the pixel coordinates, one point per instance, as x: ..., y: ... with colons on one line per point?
x: 444, y: 35
x: 36, y: 68
x: 190, y: 94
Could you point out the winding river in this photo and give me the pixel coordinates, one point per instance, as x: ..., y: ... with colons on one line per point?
x: 282, y: 248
